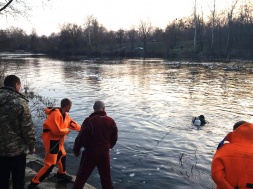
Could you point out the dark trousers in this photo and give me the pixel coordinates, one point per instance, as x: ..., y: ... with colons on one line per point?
x: 16, y: 166
x: 91, y: 159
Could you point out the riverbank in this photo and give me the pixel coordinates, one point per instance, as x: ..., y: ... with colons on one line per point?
x: 33, y: 165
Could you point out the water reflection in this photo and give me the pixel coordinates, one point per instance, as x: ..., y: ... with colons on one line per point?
x: 152, y: 102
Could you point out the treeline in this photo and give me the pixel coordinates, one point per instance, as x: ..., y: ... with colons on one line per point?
x: 228, y: 34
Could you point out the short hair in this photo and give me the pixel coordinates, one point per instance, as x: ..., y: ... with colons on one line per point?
x: 202, y: 117
x: 237, y: 124
x: 98, y: 105
x: 65, y: 102
x: 11, y: 81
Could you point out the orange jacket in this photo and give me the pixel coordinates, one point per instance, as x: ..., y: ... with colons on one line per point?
x: 56, y: 126
x: 232, y: 165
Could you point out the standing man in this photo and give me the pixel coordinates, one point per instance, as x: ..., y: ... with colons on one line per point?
x: 55, y: 129
x: 17, y: 133
x: 98, y: 135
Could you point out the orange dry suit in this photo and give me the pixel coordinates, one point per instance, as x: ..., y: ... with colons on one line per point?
x: 232, y: 165
x: 55, y: 129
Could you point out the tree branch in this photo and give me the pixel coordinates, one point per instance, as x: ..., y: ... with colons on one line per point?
x: 5, y: 6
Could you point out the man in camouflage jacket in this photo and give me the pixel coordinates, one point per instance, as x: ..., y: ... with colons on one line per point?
x: 16, y: 133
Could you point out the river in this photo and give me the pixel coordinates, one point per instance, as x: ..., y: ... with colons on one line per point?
x: 153, y: 102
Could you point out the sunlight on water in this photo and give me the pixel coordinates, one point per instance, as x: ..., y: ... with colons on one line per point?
x: 152, y: 102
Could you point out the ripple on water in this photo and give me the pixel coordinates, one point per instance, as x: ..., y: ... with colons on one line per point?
x: 152, y: 103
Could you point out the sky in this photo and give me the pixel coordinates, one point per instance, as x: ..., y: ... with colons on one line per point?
x: 112, y: 14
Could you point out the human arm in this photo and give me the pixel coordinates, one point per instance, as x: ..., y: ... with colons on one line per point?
x: 114, y: 135
x: 221, y: 143
x: 73, y: 125
x: 27, y: 126
x: 226, y: 139
x: 81, y: 138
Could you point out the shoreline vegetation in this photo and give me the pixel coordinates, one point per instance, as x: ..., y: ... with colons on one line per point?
x: 226, y: 35
x: 223, y: 33
x: 180, y: 57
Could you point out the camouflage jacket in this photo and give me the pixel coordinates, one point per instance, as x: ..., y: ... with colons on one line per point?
x: 16, y: 125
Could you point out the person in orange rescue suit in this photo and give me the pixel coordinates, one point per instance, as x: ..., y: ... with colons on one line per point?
x: 232, y: 165
x: 55, y: 129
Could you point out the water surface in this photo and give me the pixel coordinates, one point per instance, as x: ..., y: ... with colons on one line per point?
x: 152, y: 102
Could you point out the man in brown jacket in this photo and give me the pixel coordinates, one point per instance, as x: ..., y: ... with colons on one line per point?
x: 98, y: 135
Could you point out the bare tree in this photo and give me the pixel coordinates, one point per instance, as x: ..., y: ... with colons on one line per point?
x: 195, y: 23
x: 213, y: 18
x: 120, y: 37
x: 94, y: 33
x: 132, y: 38
x: 200, y: 28
x: 88, y: 29
x: 246, y: 20
x: 18, y: 7
x: 34, y: 41
x: 230, y: 14
x: 171, y: 34
x: 145, y: 29
x: 4, y: 6
x: 71, y: 37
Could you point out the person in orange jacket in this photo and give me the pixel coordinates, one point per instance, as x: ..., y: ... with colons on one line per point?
x: 232, y: 163
x: 55, y: 129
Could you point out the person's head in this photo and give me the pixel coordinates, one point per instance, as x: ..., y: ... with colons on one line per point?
x: 237, y: 124
x: 201, y: 117
x: 13, y: 81
x: 66, y: 105
x: 99, y: 106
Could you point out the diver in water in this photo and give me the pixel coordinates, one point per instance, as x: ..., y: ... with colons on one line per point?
x: 199, y: 121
